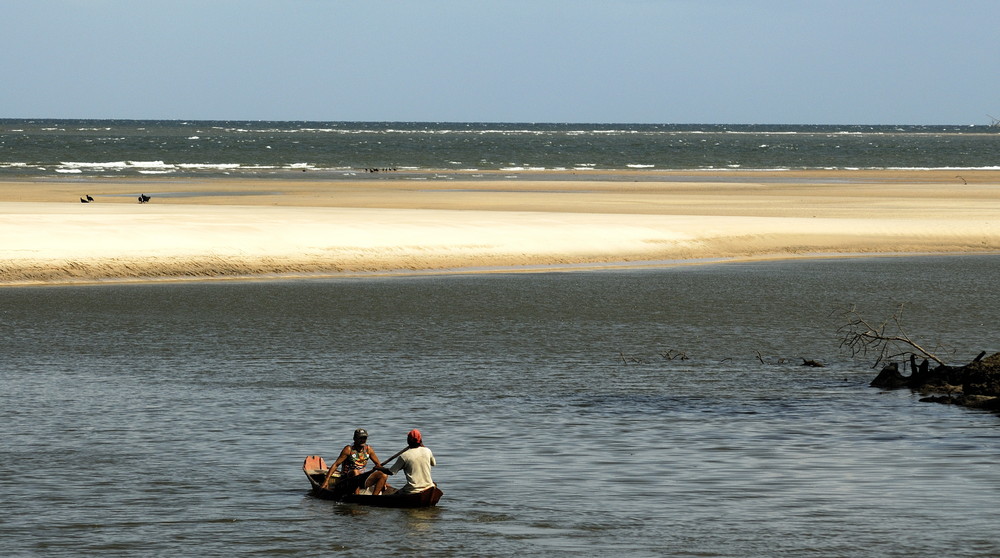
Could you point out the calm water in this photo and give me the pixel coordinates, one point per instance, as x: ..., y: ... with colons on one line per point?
x: 99, y: 148
x: 559, y: 427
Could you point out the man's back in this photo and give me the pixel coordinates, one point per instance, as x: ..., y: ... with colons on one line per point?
x: 416, y: 463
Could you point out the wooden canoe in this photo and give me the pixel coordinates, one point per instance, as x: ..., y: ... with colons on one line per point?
x: 315, y: 469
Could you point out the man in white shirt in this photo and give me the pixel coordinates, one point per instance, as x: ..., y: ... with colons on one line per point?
x: 416, y: 462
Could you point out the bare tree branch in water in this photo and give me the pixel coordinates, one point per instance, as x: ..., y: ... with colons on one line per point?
x: 674, y: 355
x: 760, y: 357
x: 626, y: 359
x: 887, y: 339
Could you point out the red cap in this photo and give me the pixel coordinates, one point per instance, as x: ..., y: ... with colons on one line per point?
x: 414, y: 438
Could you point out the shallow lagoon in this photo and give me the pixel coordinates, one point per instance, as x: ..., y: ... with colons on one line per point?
x: 558, y: 424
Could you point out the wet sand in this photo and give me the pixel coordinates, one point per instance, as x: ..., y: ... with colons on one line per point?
x: 229, y: 228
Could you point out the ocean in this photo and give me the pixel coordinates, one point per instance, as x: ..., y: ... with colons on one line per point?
x: 661, y: 412
x: 69, y: 149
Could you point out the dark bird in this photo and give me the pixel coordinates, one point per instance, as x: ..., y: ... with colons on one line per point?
x: 89, y: 199
x: 83, y: 201
x: 143, y: 198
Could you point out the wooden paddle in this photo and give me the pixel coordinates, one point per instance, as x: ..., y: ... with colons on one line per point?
x: 398, y: 453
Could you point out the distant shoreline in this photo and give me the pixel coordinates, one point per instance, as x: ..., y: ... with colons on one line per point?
x: 233, y: 228
x: 473, y: 174
x: 950, y: 175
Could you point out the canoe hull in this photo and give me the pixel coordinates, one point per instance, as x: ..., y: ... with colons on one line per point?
x: 424, y: 499
x: 314, y: 468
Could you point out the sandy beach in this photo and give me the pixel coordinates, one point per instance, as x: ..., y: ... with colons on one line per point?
x: 246, y: 228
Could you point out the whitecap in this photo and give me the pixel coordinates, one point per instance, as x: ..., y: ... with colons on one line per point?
x: 149, y: 164
x: 93, y: 165
x: 219, y: 166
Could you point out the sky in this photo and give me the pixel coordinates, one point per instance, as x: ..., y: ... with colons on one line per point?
x: 580, y: 61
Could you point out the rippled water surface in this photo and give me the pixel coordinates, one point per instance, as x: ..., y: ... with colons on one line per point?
x: 81, y: 149
x: 172, y: 419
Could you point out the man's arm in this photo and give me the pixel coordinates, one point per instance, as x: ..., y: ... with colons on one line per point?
x: 344, y: 453
x: 396, y: 466
x: 374, y: 458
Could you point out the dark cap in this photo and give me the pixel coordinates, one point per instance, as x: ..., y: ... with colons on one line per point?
x: 361, y: 433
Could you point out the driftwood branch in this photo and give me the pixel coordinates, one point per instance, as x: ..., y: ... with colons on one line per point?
x: 760, y: 357
x: 887, y: 340
x: 627, y: 359
x: 674, y: 355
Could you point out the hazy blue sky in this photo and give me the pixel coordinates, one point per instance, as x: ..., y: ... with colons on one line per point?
x: 661, y: 61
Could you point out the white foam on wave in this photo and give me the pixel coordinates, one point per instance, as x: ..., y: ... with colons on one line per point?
x: 209, y: 166
x: 639, y: 166
x: 89, y: 165
x: 115, y: 165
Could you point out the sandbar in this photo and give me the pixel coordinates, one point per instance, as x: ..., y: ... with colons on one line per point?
x: 244, y: 228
